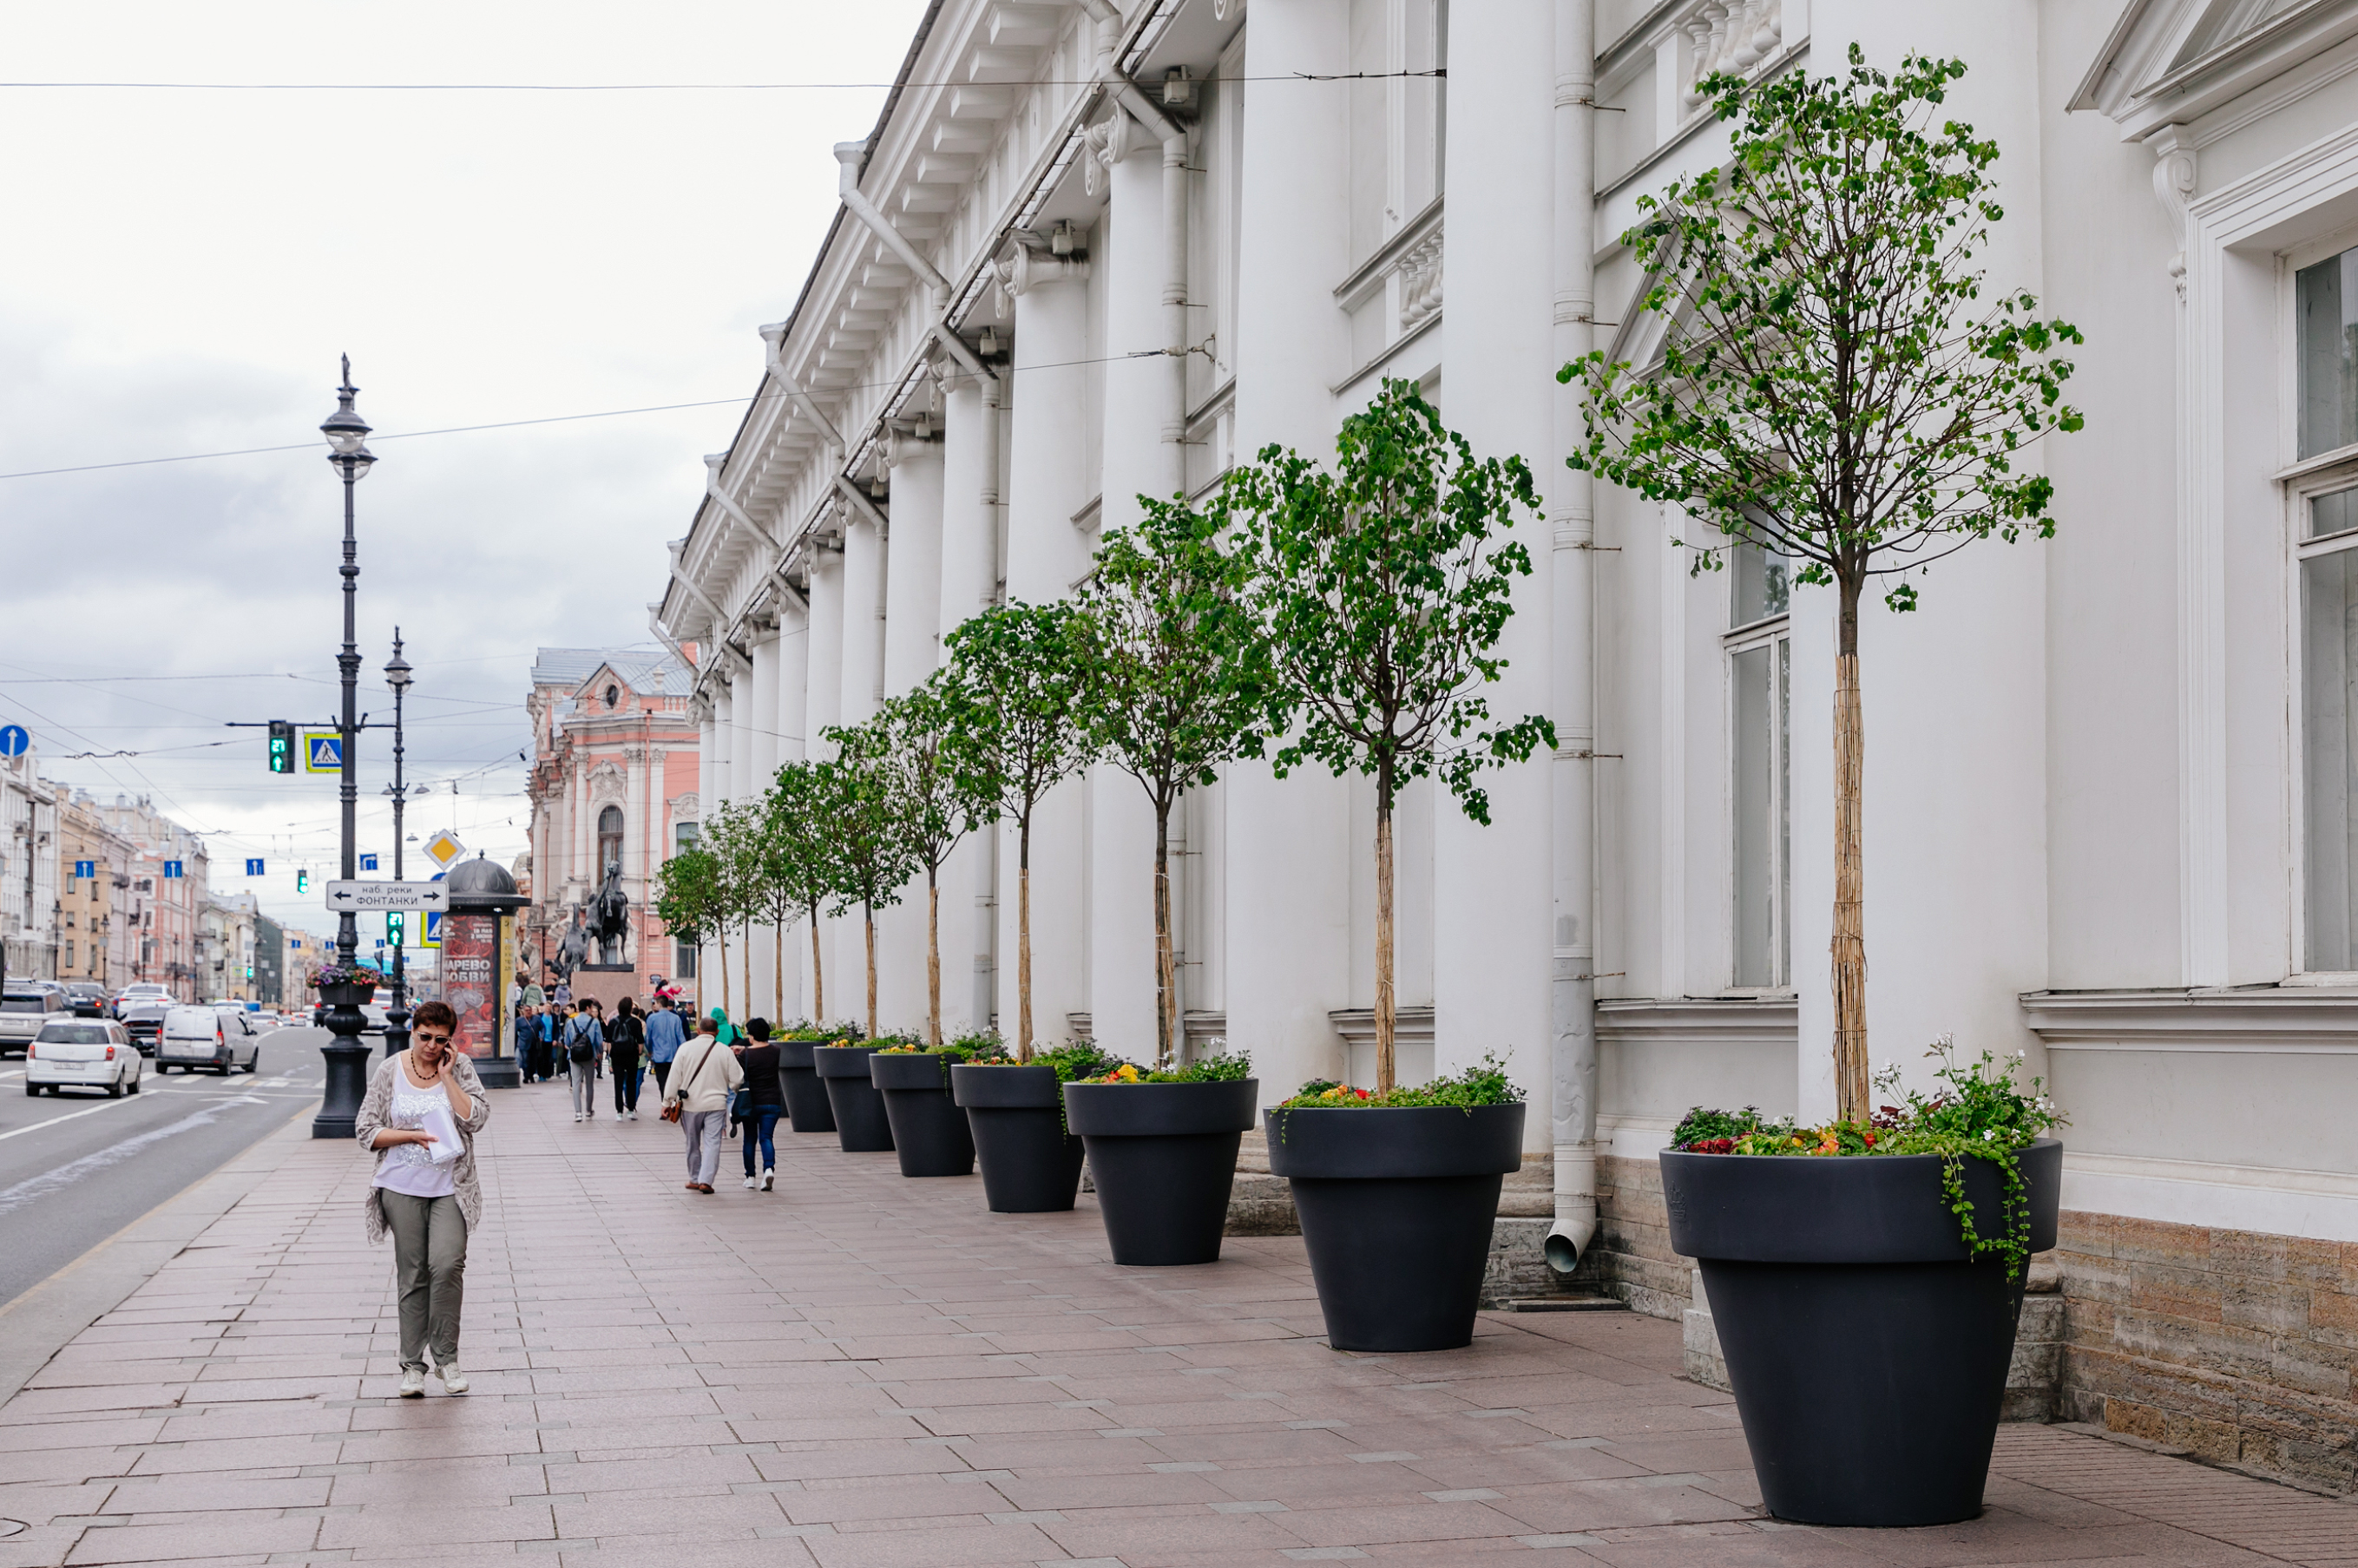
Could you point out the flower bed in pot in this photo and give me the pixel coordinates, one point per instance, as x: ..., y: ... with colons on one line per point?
x: 1163, y: 1150
x: 1015, y: 1110
x: 807, y: 1109
x: 1398, y: 1193
x: 861, y: 1125
x: 1866, y: 1283
x: 929, y: 1130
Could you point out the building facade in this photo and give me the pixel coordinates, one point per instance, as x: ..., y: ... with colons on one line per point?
x: 28, y: 869
x: 613, y: 784
x: 169, y: 874
x: 228, y: 934
x: 1098, y: 251
x: 94, y: 924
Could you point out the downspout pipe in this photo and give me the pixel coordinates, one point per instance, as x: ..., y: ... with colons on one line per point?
x: 773, y: 346
x: 850, y: 157
x: 1572, y: 983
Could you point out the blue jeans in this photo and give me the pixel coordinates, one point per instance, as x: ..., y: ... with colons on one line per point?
x: 764, y: 1118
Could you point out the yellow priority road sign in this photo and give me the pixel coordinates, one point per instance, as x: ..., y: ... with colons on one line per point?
x: 444, y: 847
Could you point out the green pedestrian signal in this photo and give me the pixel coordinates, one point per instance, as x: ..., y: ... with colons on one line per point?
x: 281, y: 746
x: 394, y: 921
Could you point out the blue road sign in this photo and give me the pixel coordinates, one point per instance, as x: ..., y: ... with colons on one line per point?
x: 254, y: 868
x: 323, y: 751
x: 14, y: 740
x: 433, y: 937
x: 368, y: 862
x: 171, y: 868
x: 86, y: 869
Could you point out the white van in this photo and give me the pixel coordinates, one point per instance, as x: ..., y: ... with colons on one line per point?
x: 219, y: 1038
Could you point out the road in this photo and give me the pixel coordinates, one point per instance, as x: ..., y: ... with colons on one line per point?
x: 75, y: 1167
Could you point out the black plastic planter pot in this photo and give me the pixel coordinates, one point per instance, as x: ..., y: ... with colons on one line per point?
x: 929, y: 1130
x: 1163, y: 1157
x: 1017, y: 1116
x: 807, y: 1106
x: 1397, y: 1207
x: 860, y: 1121
x: 1868, y: 1355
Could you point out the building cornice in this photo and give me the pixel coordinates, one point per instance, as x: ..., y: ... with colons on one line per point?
x: 2264, y: 1020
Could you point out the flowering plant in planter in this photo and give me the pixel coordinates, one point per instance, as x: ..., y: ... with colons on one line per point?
x: 1977, y: 1111
x: 1485, y: 1083
x: 348, y: 975
x: 845, y: 1034
x: 1210, y: 1070
x: 1075, y: 1060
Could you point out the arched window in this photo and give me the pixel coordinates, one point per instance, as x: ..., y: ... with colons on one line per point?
x: 609, y: 839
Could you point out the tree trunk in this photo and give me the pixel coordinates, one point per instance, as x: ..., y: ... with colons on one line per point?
x: 1023, y: 940
x: 818, y: 972
x: 1851, y: 1085
x: 869, y: 912
x: 745, y: 962
x: 722, y: 937
x: 778, y: 974
x: 933, y: 961
x: 1387, y: 999
x: 1167, y: 972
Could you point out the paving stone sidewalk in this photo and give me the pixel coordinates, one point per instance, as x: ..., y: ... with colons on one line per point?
x: 860, y: 1372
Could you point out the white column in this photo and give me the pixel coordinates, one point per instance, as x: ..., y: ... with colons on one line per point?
x: 792, y: 722
x: 758, y: 721
x: 1288, y: 844
x: 824, y: 708
x: 1493, y: 887
x: 913, y: 588
x: 863, y: 606
x: 1138, y: 461
x: 969, y: 583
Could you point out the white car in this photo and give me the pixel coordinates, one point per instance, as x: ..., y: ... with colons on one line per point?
x: 26, y: 1010
x: 220, y: 1038
x: 89, y: 1053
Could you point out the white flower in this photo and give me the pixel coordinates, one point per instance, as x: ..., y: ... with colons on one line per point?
x: 1987, y: 1136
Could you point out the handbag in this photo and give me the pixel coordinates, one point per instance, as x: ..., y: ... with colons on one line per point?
x: 677, y: 1102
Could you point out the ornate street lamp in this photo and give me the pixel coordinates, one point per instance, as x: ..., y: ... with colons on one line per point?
x: 346, y: 1058
x: 397, y: 1018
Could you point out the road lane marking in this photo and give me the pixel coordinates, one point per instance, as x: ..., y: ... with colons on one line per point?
x: 66, y: 1175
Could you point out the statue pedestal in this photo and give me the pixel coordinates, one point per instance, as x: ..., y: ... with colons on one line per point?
x: 609, y: 983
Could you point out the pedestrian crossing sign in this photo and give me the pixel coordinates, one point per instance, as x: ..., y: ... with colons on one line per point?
x: 433, y: 937
x: 323, y: 751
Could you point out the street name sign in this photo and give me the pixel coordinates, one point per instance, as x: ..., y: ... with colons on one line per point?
x: 363, y: 897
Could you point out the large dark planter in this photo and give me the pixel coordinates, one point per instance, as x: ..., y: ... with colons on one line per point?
x: 348, y: 993
x: 1030, y: 1165
x: 1868, y: 1355
x: 1163, y: 1157
x: 806, y: 1106
x: 929, y: 1130
x: 1397, y: 1209
x: 860, y: 1123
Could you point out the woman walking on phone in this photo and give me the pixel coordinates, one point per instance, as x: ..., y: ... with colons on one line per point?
x: 423, y: 1111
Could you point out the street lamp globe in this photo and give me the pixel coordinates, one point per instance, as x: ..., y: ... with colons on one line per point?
x: 397, y: 672
x: 347, y: 432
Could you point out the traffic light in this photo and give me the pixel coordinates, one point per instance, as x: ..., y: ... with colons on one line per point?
x: 302, y: 882
x: 394, y: 921
x: 281, y: 746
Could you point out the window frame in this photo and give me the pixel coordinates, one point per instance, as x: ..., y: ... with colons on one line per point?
x: 1766, y: 631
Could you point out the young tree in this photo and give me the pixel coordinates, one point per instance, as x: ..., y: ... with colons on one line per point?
x: 1177, y: 678
x: 687, y: 901
x: 797, y: 861
x: 1010, y: 682
x: 731, y: 837
x: 1385, y: 589
x: 1832, y: 388
x: 871, y: 861
x: 940, y: 798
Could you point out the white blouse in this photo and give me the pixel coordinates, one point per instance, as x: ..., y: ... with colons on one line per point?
x: 409, y: 1167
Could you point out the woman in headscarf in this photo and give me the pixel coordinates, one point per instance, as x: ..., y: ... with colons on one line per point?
x: 724, y: 1030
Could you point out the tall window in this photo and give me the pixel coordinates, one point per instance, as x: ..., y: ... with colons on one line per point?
x: 684, y: 836
x: 2325, y: 527
x: 609, y: 839
x: 683, y: 961
x: 1759, y: 648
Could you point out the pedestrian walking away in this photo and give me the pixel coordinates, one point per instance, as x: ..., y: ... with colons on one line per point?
x: 666, y: 1033
x: 423, y: 1110
x: 708, y: 1072
x: 764, y: 1097
x: 626, y: 1037
x: 585, y: 1042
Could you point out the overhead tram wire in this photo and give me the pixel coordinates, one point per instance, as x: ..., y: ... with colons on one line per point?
x: 1437, y: 72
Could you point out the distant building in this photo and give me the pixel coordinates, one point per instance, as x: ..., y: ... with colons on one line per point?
x: 269, y: 961
x: 226, y: 939
x: 613, y: 783
x: 28, y: 869
x: 93, y: 926
x: 169, y: 874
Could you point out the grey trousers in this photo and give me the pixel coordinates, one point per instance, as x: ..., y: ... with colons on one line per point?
x: 584, y: 1076
x: 429, y: 1266
x: 703, y: 1129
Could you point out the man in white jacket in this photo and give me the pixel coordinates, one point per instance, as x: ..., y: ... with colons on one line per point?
x: 703, y: 1077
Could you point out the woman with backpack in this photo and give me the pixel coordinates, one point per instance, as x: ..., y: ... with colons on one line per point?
x: 626, y: 1038
x: 702, y: 1077
x: 584, y: 1039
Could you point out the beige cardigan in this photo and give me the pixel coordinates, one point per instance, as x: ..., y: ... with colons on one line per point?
x: 371, y: 1121
x: 693, y: 1082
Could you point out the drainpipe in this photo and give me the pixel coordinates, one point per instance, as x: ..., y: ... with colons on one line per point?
x: 713, y: 463
x: 848, y: 157
x: 1572, y: 999
x: 773, y: 339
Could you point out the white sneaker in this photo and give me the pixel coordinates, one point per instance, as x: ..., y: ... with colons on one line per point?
x: 454, y: 1382
x: 769, y: 1180
x: 618, y: 1116
x: 635, y: 1116
x: 751, y: 1182
x: 413, y: 1382
x: 577, y: 1116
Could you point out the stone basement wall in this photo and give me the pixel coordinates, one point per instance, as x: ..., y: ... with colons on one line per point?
x: 2237, y: 1346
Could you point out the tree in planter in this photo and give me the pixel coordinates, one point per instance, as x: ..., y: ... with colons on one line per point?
x: 1384, y: 588
x: 871, y: 861
x: 941, y: 795
x: 687, y: 901
x: 1831, y: 389
x: 1176, y: 677
x: 732, y: 836
x: 1009, y: 683
x: 797, y: 869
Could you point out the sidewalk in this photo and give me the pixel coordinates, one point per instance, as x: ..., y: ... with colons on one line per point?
x: 860, y: 1372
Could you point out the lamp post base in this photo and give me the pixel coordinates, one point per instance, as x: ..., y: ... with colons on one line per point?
x: 499, y: 1073
x: 347, y: 1061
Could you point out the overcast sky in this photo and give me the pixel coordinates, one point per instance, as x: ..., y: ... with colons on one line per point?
x: 183, y: 268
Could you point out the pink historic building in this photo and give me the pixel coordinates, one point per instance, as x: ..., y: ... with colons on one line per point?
x: 613, y: 783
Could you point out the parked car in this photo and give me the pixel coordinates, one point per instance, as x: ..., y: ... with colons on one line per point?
x: 82, y: 1054
x: 27, y: 1007
x: 89, y: 998
x: 217, y: 1037
x: 144, y: 1022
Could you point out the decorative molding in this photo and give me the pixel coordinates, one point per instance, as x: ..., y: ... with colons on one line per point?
x: 1716, y: 1021
x: 1357, y: 1025
x: 2302, y: 1021
x: 686, y: 808
x: 2173, y: 186
x: 605, y: 783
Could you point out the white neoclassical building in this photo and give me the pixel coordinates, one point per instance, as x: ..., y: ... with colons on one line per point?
x: 1094, y: 250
